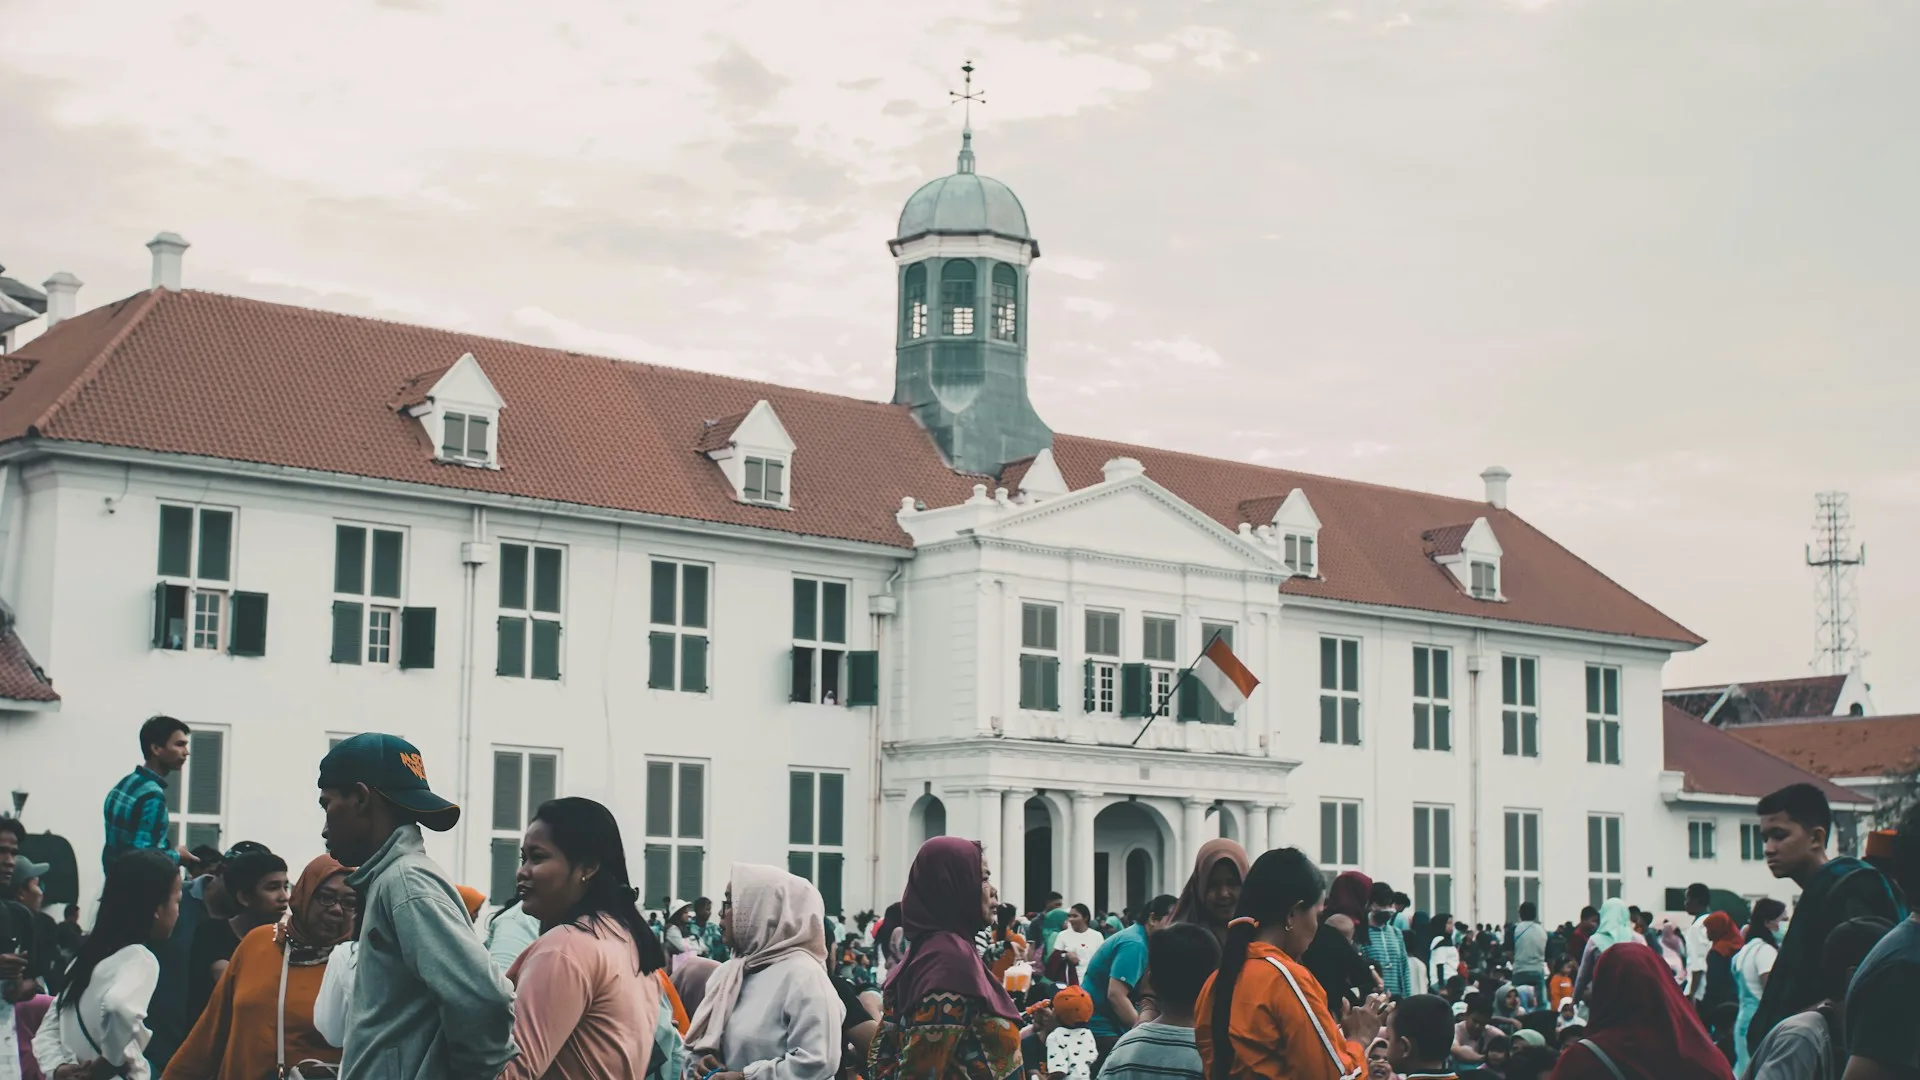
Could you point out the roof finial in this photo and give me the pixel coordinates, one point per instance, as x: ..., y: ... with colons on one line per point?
x: 968, y: 96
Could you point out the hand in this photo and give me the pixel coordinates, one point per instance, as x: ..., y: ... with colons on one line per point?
x: 71, y: 1072
x: 12, y: 965
x: 187, y: 860
x: 708, y: 1063
x: 1363, y: 1023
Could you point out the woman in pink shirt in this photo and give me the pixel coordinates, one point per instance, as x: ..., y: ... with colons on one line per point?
x: 586, y: 998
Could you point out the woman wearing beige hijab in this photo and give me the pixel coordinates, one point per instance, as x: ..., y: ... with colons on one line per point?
x: 771, y: 1012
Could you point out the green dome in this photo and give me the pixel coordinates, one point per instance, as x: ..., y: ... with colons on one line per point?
x: 965, y: 202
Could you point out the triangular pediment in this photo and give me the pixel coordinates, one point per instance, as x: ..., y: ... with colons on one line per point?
x: 465, y: 384
x: 761, y: 429
x: 1133, y: 518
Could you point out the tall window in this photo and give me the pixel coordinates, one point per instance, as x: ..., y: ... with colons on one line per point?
x: 1339, y: 836
x: 1522, y: 860
x: 1432, y: 702
x: 1040, y: 656
x: 531, y: 587
x: 956, y: 298
x: 1700, y: 839
x: 196, y: 571
x: 1103, y: 662
x: 197, y: 794
x: 674, y: 863
x: 1210, y: 711
x: 1519, y: 706
x: 1603, y: 857
x: 816, y: 834
x: 914, y: 302
x: 1486, y: 580
x: 1160, y: 648
x: 677, y: 644
x: 1340, y: 691
x: 367, y: 574
x: 1006, y: 304
x: 765, y: 481
x: 1753, y: 845
x: 819, y: 640
x: 522, y: 780
x: 1299, y: 553
x: 1603, y: 714
x: 1433, y: 858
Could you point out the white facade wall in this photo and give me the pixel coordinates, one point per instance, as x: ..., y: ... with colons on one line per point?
x: 1726, y: 869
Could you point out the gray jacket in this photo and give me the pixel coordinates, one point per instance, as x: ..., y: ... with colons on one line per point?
x: 421, y: 974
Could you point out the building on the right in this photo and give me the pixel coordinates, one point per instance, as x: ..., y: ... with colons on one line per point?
x: 1876, y: 757
x: 1734, y: 704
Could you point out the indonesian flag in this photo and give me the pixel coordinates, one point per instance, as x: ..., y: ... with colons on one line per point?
x: 1224, y: 676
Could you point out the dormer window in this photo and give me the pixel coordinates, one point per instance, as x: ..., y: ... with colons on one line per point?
x: 467, y: 438
x: 1486, y: 581
x: 1472, y: 554
x: 1299, y: 554
x: 766, y: 481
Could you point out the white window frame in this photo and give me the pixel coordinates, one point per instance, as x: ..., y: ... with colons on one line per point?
x: 754, y: 469
x: 1298, y: 553
x: 511, y: 835
x: 208, y: 599
x: 1603, y: 723
x: 826, y: 656
x: 1347, y: 676
x: 466, y: 456
x: 680, y: 629
x: 1433, y: 873
x: 181, y: 823
x: 1349, y: 821
x: 1034, y: 645
x: 1433, y: 710
x: 1519, y: 711
x: 815, y: 847
x: 1163, y: 663
x: 1484, y: 579
x: 671, y: 840
x: 1103, y: 660
x: 374, y: 608
x: 1522, y: 873
x: 1605, y: 878
x: 528, y: 613
x: 1753, y: 843
x: 1702, y: 843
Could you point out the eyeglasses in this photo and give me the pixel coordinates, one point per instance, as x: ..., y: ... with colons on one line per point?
x: 346, y: 901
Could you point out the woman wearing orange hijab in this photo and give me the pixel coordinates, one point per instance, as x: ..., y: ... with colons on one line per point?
x: 238, y: 1036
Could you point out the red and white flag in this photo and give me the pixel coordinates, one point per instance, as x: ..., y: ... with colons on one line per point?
x: 1224, y: 676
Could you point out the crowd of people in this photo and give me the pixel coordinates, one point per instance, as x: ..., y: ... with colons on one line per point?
x: 369, y: 962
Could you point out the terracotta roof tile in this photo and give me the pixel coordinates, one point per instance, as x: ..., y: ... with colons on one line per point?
x: 715, y: 434
x: 1840, y: 747
x: 223, y: 377
x: 1259, y: 510
x: 1770, y: 699
x: 1447, y: 539
x: 20, y: 678
x: 1717, y: 763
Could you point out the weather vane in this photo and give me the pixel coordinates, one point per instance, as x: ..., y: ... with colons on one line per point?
x: 969, y: 95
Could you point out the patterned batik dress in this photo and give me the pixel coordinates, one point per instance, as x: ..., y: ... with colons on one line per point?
x: 947, y: 1036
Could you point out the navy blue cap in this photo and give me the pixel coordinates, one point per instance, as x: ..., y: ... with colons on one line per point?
x: 391, y: 766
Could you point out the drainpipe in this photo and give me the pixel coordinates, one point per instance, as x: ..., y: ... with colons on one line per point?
x: 1474, y: 661
x: 874, y: 731
x: 474, y: 554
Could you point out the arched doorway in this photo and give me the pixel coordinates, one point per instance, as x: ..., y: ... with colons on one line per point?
x: 1130, y: 843
x: 1139, y: 874
x: 1223, y: 823
x: 929, y: 820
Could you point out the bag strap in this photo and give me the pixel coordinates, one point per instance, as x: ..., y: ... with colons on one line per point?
x: 280, y: 1022
x: 1594, y: 1049
x: 1326, y: 1042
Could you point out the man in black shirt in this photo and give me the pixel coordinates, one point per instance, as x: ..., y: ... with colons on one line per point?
x: 1883, y: 1042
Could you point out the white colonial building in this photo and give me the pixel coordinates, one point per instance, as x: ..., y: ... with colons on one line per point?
x: 772, y: 625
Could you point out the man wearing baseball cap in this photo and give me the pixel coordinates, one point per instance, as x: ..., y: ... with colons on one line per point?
x: 437, y: 1009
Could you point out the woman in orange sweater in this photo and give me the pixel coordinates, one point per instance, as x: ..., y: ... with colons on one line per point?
x: 1262, y: 1016
x: 237, y: 1037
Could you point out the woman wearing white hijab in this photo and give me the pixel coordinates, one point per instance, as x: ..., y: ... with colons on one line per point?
x: 771, y: 1012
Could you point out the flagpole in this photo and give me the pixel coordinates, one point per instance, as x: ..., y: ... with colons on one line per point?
x: 1173, y: 694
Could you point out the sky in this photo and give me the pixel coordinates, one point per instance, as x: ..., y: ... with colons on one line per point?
x: 1656, y: 258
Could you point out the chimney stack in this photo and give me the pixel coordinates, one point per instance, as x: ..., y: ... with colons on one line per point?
x: 61, y: 290
x: 1496, y: 479
x: 167, y: 249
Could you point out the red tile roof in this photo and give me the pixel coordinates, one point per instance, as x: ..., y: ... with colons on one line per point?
x: 1717, y: 763
x: 715, y: 434
x: 1770, y: 699
x: 1838, y: 747
x: 224, y: 377
x: 20, y: 678
x: 1447, y: 540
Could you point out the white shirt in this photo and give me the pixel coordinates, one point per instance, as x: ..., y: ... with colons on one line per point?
x: 1752, y: 962
x: 336, y: 991
x: 1071, y: 1051
x: 114, y: 1006
x: 1698, y: 946
x: 1082, y: 944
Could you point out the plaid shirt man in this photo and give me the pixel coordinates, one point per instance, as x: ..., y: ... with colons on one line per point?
x: 136, y: 814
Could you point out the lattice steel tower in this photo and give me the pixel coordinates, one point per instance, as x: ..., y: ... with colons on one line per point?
x: 1837, y: 636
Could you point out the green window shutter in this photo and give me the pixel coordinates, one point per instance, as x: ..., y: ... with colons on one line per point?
x: 863, y: 678
x: 1029, y: 682
x: 513, y: 576
x: 1329, y: 719
x: 828, y: 881
x: 693, y: 596
x: 546, y: 649
x: 169, y: 616
x: 800, y: 686
x: 833, y: 612
x: 349, y: 559
x: 693, y: 800
x: 692, y: 871
x: 506, y: 790
x: 1086, y: 680
x: 511, y: 647
x: 660, y: 660
x: 805, y: 613
x: 248, y: 636
x: 666, y: 593
x: 833, y: 797
x: 657, y: 875
x: 659, y: 799
x: 693, y: 663
x: 543, y: 781
x: 503, y: 869
x: 1442, y: 727
x: 800, y: 808
x: 800, y: 864
x: 1050, y: 683
x: 1593, y: 741
x: 1136, y: 690
x: 387, y: 548
x: 207, y: 749
x: 1329, y: 663
x: 1593, y: 689
x: 348, y: 620
x: 176, y: 541
x: 546, y: 580
x: 216, y: 544
x: 418, y: 629
x: 1188, y: 707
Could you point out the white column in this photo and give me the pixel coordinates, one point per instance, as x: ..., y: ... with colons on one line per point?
x: 987, y: 803
x: 1011, y: 868
x: 1080, y: 854
x: 1276, y: 835
x: 1193, y: 831
x: 1256, y: 829
x: 890, y: 876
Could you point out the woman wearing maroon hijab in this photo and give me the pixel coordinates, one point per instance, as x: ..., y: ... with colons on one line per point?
x: 1642, y: 1025
x: 942, y: 1013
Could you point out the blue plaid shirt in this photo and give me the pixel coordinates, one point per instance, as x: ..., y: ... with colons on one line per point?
x: 136, y: 813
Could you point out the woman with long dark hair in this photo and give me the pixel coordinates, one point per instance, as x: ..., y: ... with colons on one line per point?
x: 586, y: 1000
x: 98, y: 1028
x: 1262, y: 1015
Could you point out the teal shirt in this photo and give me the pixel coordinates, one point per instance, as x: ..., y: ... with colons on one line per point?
x: 1122, y: 956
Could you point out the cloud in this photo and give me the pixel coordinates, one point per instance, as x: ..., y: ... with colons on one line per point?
x: 1097, y: 310
x: 1073, y: 266
x: 1183, y: 350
